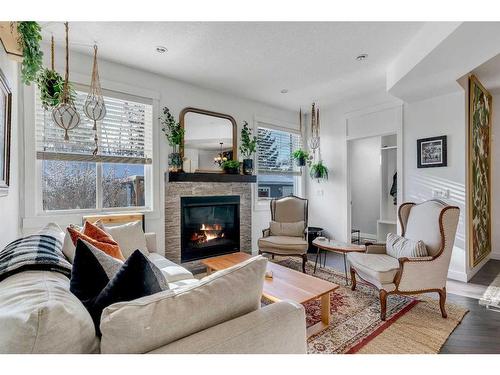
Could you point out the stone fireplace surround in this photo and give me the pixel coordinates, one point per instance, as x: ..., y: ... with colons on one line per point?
x: 173, y: 193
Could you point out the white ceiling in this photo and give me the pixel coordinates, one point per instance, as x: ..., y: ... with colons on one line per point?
x: 315, y: 61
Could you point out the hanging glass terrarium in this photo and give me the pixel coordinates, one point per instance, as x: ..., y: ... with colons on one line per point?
x: 65, y: 114
x: 94, y: 107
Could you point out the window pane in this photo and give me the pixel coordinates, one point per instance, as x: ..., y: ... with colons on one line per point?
x: 274, y: 151
x: 274, y: 186
x: 68, y: 185
x: 123, y: 185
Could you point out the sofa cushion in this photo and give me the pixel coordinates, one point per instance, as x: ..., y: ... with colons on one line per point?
x: 287, y: 229
x: 399, y: 247
x: 130, y: 237
x: 172, y: 271
x: 38, y: 314
x: 148, y: 323
x: 379, y: 267
x: 283, y: 245
x: 98, y: 238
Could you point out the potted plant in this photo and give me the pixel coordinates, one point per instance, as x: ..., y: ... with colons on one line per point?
x: 319, y: 171
x: 301, y: 157
x: 29, y: 40
x: 247, y: 148
x: 175, y: 136
x: 231, y: 166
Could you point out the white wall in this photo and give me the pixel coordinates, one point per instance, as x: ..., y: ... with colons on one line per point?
x: 365, y: 184
x: 175, y: 95
x: 444, y: 115
x: 9, y: 204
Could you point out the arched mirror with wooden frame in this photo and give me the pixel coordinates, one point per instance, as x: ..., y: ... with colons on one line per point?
x: 208, y: 137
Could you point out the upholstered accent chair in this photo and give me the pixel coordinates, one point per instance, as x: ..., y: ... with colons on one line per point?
x: 287, y: 232
x: 432, y: 222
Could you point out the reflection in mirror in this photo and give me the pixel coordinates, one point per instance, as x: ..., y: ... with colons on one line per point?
x: 207, y: 140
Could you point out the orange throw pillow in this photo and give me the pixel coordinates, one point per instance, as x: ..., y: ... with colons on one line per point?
x: 97, y: 237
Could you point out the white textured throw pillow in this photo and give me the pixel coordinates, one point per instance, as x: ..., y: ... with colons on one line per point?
x: 295, y: 229
x: 400, y: 247
x: 130, y: 237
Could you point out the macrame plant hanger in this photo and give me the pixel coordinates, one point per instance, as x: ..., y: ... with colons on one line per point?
x: 94, y: 106
x: 65, y: 114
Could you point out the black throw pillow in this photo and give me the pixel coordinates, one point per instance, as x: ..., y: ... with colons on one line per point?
x: 98, y: 286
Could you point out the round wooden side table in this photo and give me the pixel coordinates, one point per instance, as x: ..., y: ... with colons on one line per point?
x: 336, y: 247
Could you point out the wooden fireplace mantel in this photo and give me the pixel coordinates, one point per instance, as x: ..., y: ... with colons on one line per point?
x: 210, y: 177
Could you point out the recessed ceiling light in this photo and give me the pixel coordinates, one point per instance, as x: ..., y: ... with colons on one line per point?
x: 284, y: 91
x: 362, y: 57
x: 161, y: 49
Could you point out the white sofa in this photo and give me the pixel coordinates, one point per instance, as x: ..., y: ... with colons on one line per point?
x: 38, y: 314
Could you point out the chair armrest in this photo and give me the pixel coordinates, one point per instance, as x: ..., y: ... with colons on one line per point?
x: 266, y: 232
x: 151, y: 242
x: 423, y: 273
x: 376, y: 248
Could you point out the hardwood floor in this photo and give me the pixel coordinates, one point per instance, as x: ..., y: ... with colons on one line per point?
x: 479, y: 331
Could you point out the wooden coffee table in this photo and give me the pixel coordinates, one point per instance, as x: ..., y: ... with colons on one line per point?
x: 286, y: 284
x: 336, y: 247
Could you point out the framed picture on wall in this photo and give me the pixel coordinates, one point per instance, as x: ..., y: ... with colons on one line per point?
x: 432, y: 152
x: 5, y: 119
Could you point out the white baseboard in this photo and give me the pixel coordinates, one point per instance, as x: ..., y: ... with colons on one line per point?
x: 457, y: 275
x: 495, y: 255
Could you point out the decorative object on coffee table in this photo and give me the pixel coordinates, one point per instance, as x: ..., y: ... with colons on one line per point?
x: 247, y: 148
x: 5, y: 128
x: 343, y: 248
x: 432, y: 152
x: 432, y: 222
x: 479, y: 161
x: 285, y: 284
x: 286, y: 235
x: 65, y: 114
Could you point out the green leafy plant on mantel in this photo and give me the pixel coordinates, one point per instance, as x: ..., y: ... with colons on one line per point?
x: 231, y: 166
x: 319, y: 171
x: 248, y: 147
x: 301, y: 157
x: 175, y: 136
x: 29, y: 40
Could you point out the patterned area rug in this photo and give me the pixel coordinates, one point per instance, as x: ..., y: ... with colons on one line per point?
x: 356, y: 316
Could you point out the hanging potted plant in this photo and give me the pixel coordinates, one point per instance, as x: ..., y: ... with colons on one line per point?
x: 319, y: 171
x: 29, y: 41
x: 175, y: 136
x: 247, y: 148
x: 301, y: 157
x: 231, y: 166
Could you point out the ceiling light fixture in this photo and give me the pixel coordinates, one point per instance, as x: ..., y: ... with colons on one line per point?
x: 284, y: 91
x: 362, y: 57
x: 161, y: 49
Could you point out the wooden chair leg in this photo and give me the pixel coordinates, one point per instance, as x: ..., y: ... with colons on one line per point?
x: 353, y: 279
x: 272, y: 256
x: 383, y: 304
x: 304, y: 261
x: 442, y: 302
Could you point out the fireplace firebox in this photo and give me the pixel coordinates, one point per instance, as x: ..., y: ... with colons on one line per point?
x: 210, y: 226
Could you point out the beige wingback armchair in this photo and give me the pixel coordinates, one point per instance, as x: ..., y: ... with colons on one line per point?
x: 287, y: 232
x: 433, y: 222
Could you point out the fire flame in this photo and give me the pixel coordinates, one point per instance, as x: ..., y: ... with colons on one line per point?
x: 208, y: 232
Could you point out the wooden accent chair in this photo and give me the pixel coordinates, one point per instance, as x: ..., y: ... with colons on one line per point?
x: 287, y: 232
x: 433, y: 222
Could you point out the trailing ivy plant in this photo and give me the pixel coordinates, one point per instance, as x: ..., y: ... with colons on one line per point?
x: 29, y: 40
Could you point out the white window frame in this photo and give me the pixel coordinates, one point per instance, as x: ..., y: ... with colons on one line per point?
x: 262, y: 204
x: 34, y: 215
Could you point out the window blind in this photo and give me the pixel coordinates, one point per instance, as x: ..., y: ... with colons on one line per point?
x: 124, y: 135
x: 274, y: 151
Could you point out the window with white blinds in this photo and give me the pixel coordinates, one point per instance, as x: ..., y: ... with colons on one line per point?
x: 274, y: 151
x: 124, y: 135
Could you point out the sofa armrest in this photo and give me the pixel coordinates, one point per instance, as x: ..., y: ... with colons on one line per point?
x: 279, y: 328
x: 151, y: 242
x: 377, y: 248
x: 266, y: 232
